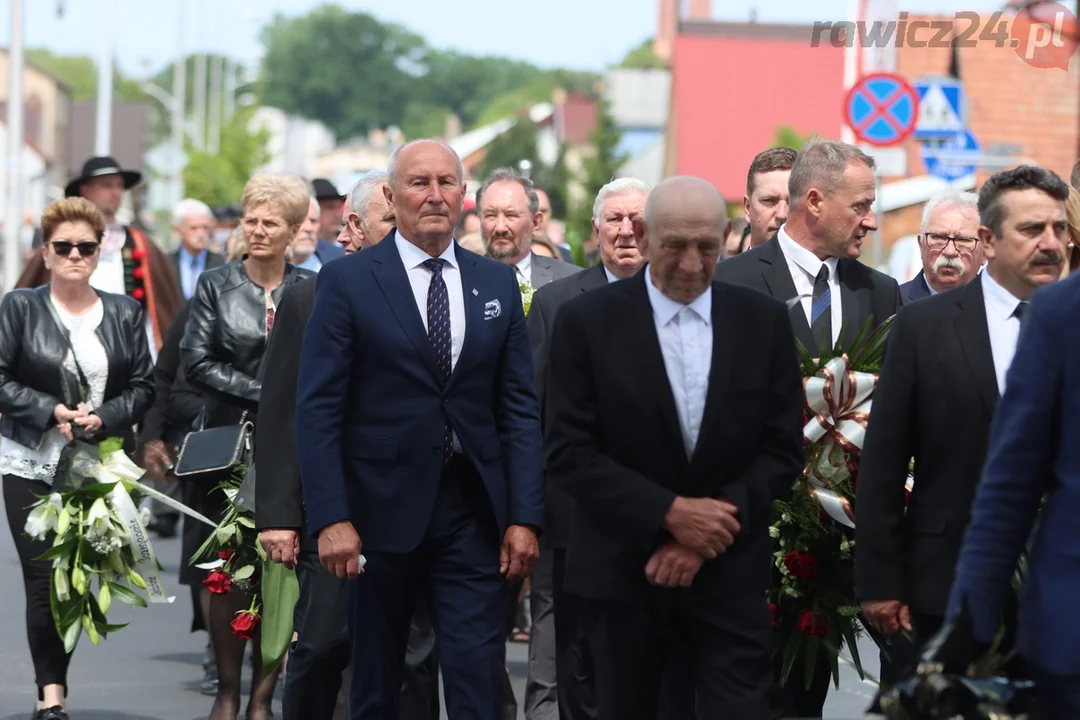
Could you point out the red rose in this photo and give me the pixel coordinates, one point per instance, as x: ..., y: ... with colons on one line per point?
x: 138, y: 294
x: 226, y: 554
x: 137, y: 273
x: 774, y: 611
x: 218, y: 582
x: 137, y: 254
x: 812, y: 623
x: 244, y: 624
x: 801, y: 564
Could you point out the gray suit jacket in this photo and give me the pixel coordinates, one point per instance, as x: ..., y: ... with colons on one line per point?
x: 545, y: 269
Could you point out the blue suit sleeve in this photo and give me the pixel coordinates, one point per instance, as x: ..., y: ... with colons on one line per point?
x: 321, y: 402
x: 519, y: 422
x: 1015, y: 476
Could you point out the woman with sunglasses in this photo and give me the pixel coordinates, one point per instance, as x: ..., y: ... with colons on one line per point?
x: 73, y: 361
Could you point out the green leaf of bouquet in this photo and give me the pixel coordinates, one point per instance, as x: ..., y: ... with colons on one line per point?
x: 224, y: 532
x: 108, y: 446
x: 279, y: 591
x: 104, y: 628
x: 244, y: 573
x: 813, y: 644
x: 91, y: 631
x: 246, y: 521
x: 94, y: 606
x: 851, y: 641
x: 95, y: 490
x: 71, y: 636
x: 62, y: 550
x: 126, y: 595
x: 790, y: 653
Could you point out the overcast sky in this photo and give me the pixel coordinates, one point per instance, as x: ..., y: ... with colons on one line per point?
x: 581, y: 34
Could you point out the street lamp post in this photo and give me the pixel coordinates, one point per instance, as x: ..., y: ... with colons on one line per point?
x: 13, y: 221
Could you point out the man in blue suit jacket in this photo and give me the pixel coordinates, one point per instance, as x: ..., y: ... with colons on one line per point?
x: 1033, y: 452
x: 419, y: 434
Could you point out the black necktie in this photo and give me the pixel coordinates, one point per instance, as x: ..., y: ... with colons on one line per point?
x: 438, y: 317
x: 821, y: 310
x: 1018, y: 313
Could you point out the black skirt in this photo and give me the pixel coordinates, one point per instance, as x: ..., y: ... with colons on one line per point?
x: 212, y: 503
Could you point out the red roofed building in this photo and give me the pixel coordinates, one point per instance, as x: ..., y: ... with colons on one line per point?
x: 734, y: 84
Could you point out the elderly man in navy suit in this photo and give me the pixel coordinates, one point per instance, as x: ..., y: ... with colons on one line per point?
x: 949, y: 244
x: 419, y: 437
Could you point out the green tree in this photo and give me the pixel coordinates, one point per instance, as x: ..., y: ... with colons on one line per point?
x: 346, y: 69
x: 787, y: 136
x: 554, y: 179
x: 219, y: 179
x: 642, y: 57
x: 509, y: 149
x: 540, y: 89
x: 79, y: 72
x: 601, y: 166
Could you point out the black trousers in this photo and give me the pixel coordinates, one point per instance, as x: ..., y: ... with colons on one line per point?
x: 46, y: 646
x: 725, y: 644
x: 321, y: 651
x: 575, y: 682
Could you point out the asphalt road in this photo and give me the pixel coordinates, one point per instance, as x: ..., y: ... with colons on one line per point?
x: 151, y: 670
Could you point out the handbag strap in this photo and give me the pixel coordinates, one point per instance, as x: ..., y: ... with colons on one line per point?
x: 84, y: 385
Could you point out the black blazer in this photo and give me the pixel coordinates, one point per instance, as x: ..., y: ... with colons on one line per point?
x: 176, y: 404
x: 558, y: 507
x: 934, y: 402
x: 864, y: 292
x: 614, y: 442
x: 279, y: 497
x: 33, y: 345
x: 915, y: 289
x: 225, y: 338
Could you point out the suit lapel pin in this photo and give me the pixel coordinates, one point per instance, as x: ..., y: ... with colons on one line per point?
x: 474, y: 292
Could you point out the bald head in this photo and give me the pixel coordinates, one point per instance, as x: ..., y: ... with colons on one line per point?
x: 685, y: 219
x: 425, y: 188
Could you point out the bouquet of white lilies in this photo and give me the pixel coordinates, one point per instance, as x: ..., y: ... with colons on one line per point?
x: 98, y: 537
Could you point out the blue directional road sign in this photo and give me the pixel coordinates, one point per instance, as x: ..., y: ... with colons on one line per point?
x: 881, y: 109
x: 954, y: 157
x: 941, y: 109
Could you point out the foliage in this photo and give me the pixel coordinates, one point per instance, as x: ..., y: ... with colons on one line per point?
x: 554, y: 179
x: 219, y: 179
x: 813, y: 604
x: 642, y: 57
x: 509, y: 149
x: 89, y: 543
x: 79, y: 72
x: 601, y: 166
x: 540, y: 89
x: 787, y: 136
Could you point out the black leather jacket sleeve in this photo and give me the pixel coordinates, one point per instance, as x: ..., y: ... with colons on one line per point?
x: 206, y: 367
x: 20, y: 402
x: 120, y: 413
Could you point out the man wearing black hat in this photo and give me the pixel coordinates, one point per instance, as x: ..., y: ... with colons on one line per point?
x: 330, y: 202
x: 130, y: 263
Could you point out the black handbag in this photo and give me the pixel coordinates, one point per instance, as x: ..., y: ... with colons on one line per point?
x: 214, y: 451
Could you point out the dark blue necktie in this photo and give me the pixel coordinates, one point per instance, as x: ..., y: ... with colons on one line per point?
x: 1020, y: 310
x: 821, y: 310
x: 438, y: 321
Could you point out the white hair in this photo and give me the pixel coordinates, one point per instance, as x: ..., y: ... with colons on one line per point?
x: 618, y: 187
x: 188, y: 207
x: 360, y: 195
x: 392, y: 167
x: 951, y: 199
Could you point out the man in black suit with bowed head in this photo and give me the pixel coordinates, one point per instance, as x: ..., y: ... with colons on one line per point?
x: 672, y: 461
x: 940, y: 383
x: 949, y: 244
x: 617, y: 205
x: 814, y: 256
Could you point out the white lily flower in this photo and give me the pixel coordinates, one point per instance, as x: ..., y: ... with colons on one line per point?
x: 97, y: 520
x: 60, y: 580
x: 42, y: 519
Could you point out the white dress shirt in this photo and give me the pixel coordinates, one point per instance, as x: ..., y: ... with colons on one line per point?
x: 804, y: 266
x: 420, y: 279
x: 686, y: 339
x: 524, y: 269
x: 109, y: 276
x: 1003, y: 325
x: 610, y: 277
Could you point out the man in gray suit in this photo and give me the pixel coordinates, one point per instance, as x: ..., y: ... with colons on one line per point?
x: 509, y: 218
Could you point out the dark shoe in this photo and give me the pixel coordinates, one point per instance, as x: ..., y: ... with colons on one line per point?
x: 51, y: 713
x: 210, y: 682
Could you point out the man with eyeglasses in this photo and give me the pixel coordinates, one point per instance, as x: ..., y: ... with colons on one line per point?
x: 943, y: 374
x: 951, y: 252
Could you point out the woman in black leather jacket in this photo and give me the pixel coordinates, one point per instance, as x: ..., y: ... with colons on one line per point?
x: 51, y: 339
x: 232, y: 313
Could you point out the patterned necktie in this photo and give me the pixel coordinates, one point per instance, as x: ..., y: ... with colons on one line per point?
x: 438, y: 320
x: 821, y: 310
x: 1018, y: 313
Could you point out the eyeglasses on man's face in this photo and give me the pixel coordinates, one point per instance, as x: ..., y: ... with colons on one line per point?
x: 962, y: 243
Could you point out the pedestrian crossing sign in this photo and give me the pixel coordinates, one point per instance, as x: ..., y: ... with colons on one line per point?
x: 941, y: 109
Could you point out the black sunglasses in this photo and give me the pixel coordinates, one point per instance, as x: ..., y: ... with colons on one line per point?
x: 86, y: 249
